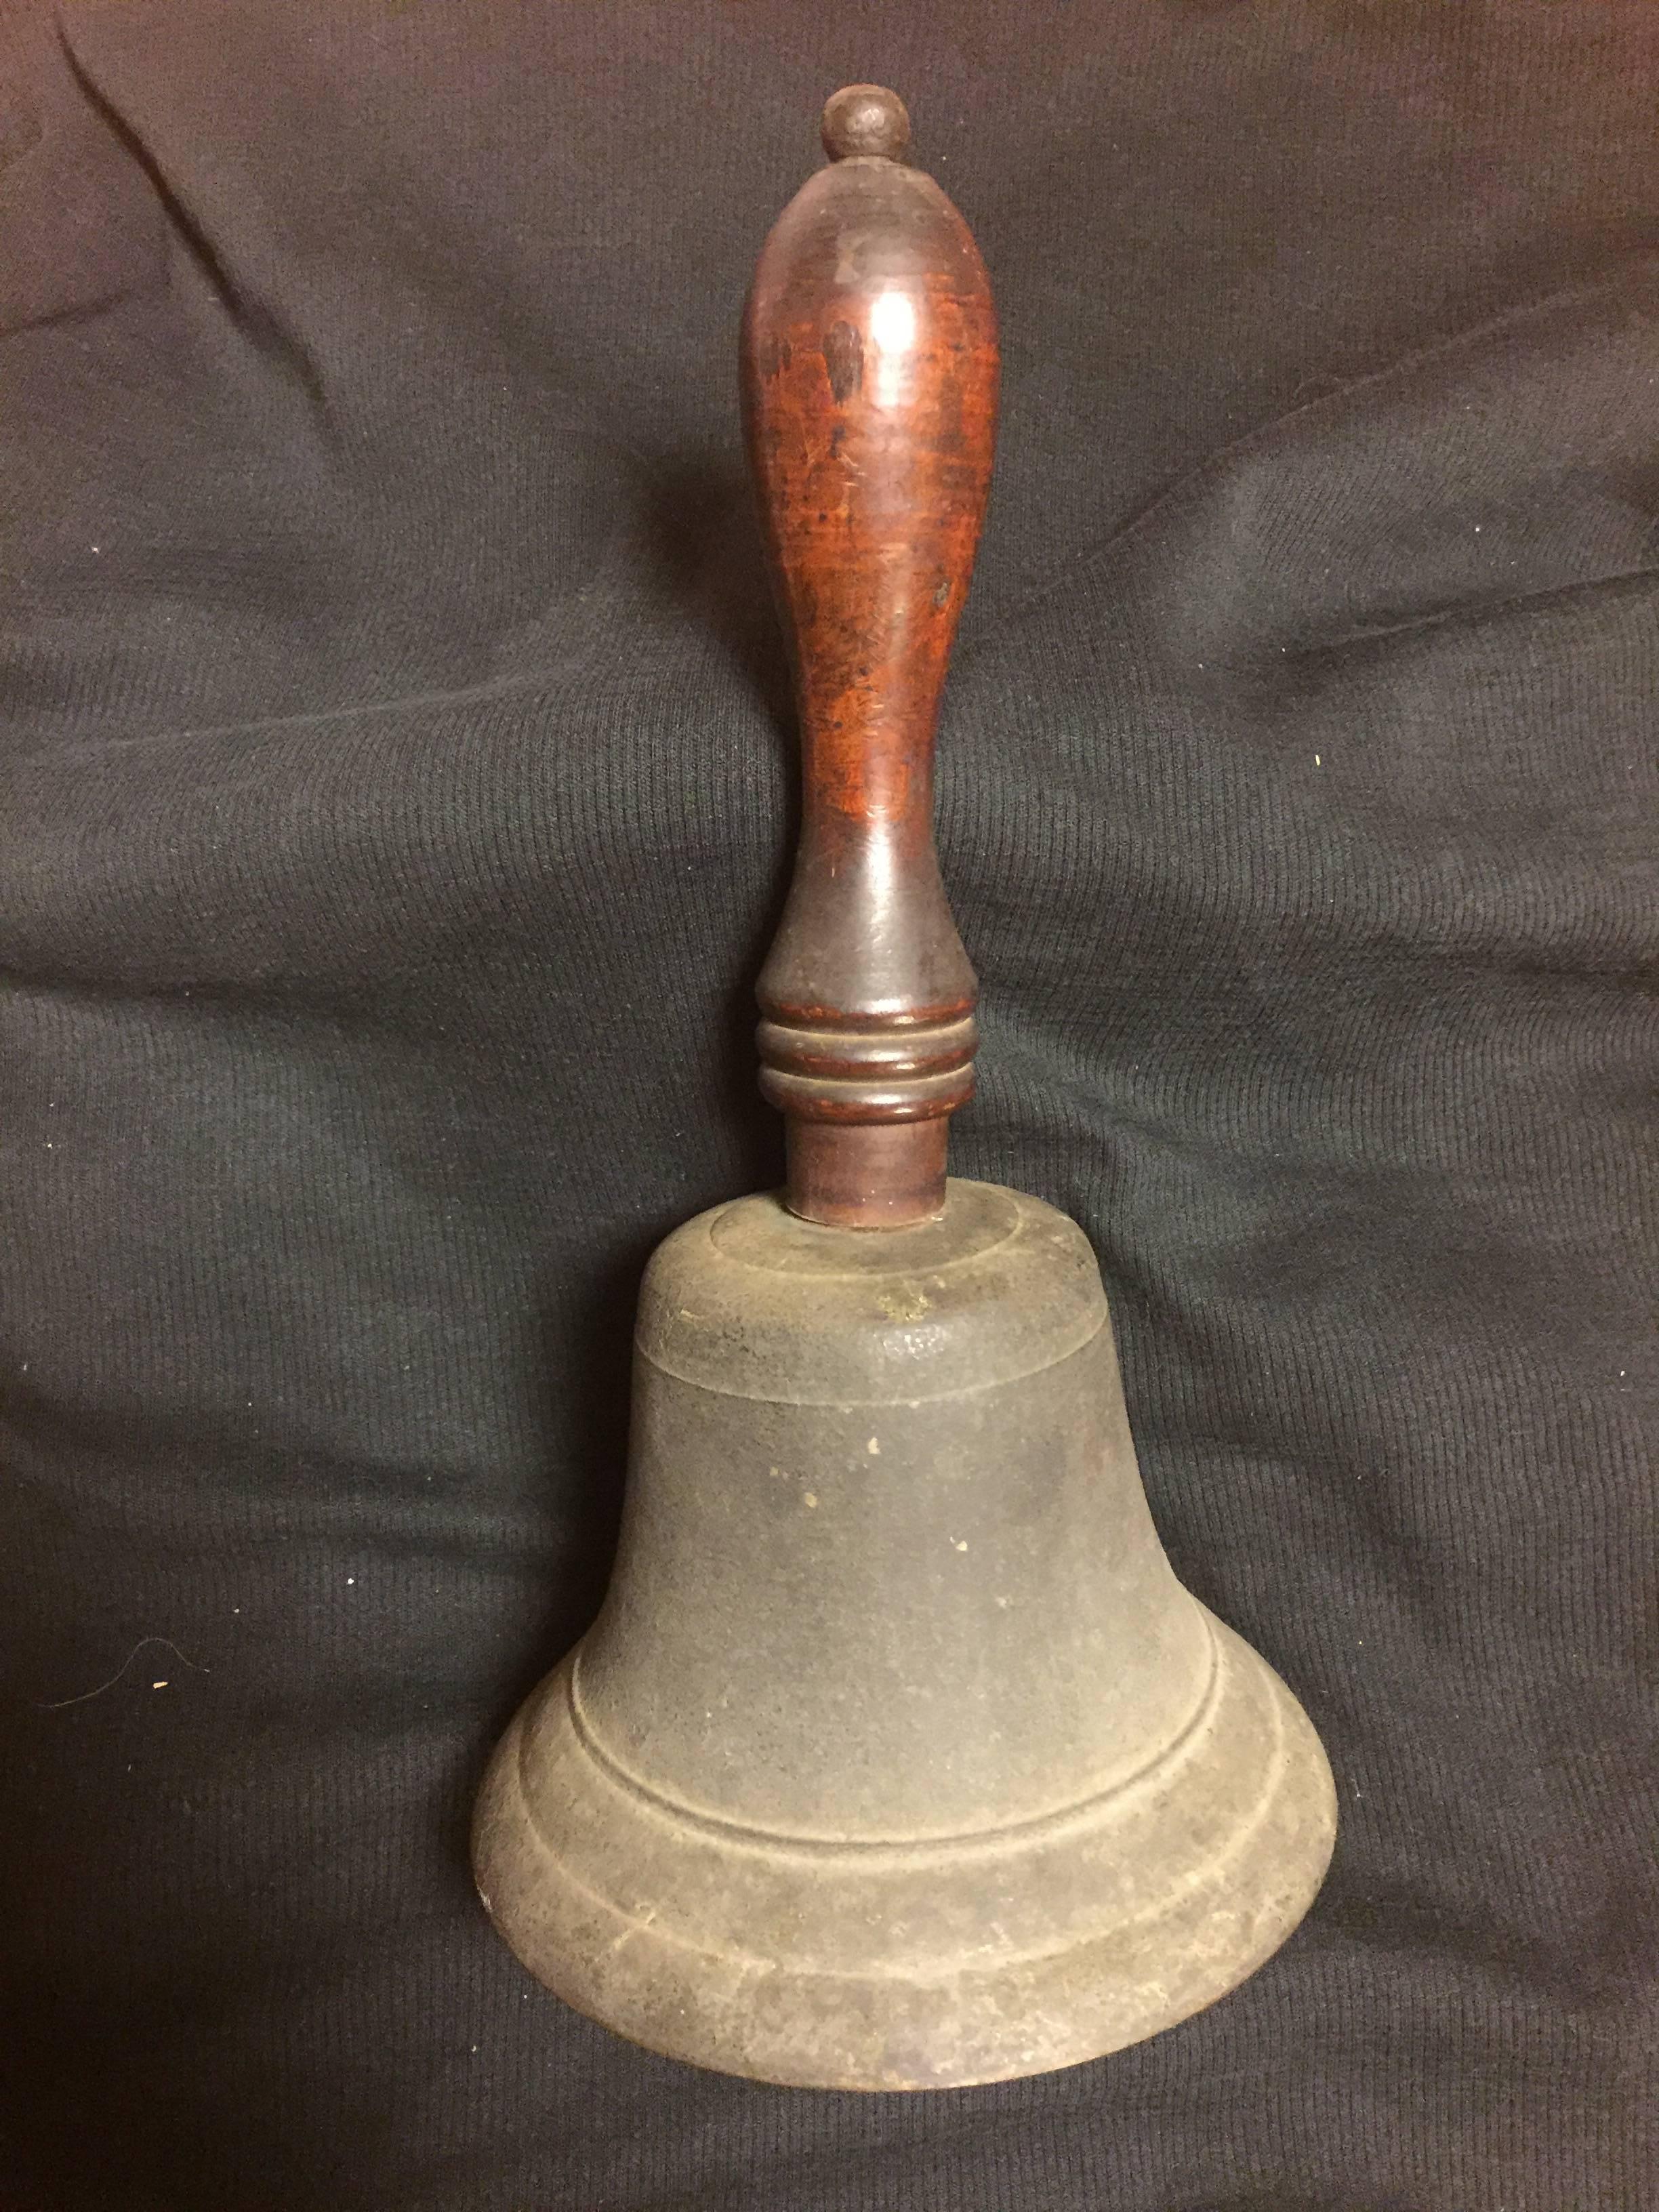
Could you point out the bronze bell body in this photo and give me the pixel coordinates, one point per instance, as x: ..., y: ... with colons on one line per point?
x: 898, y: 1756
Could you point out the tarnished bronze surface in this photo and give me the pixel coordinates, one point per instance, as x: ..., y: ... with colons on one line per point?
x: 897, y: 1757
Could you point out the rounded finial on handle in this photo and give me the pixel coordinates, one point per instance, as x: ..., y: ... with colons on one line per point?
x: 863, y: 120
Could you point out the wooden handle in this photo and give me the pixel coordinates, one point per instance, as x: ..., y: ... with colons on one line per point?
x: 870, y: 382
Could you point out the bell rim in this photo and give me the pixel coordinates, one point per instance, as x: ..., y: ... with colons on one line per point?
x: 959, y: 2024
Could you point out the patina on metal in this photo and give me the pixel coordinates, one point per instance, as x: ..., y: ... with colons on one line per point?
x: 898, y: 1756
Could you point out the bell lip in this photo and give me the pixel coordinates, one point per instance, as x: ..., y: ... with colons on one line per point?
x: 959, y: 2027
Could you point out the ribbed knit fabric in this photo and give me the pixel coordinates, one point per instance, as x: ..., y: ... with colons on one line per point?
x: 397, y: 784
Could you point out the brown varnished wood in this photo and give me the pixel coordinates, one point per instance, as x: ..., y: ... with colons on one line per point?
x: 870, y: 383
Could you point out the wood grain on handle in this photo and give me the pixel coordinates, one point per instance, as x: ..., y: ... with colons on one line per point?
x: 870, y: 383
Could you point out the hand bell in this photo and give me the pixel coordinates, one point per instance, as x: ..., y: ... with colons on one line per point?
x: 897, y: 1757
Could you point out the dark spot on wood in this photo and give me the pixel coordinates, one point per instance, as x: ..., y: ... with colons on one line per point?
x: 843, y: 357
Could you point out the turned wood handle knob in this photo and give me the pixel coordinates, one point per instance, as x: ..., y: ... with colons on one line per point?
x: 870, y: 382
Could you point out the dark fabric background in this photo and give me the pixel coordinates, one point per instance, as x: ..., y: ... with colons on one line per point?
x: 398, y: 790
